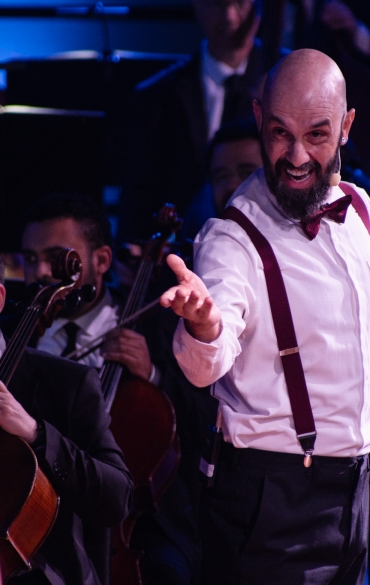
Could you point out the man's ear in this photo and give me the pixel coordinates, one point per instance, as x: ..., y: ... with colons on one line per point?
x: 257, y: 110
x: 103, y: 259
x: 2, y: 296
x: 347, y: 123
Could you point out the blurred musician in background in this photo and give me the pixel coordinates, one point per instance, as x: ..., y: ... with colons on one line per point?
x: 175, y: 113
x: 233, y: 155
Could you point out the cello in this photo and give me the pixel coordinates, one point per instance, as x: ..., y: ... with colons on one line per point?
x: 28, y: 502
x: 143, y: 421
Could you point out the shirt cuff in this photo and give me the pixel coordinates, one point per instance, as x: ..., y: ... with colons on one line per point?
x: 155, y: 375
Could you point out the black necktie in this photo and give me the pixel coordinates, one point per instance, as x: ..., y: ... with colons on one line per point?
x: 335, y: 211
x: 232, y: 87
x: 71, y: 329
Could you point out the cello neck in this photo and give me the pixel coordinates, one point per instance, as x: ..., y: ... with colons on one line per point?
x: 14, y: 349
x: 43, y: 309
x: 110, y: 372
x: 168, y: 220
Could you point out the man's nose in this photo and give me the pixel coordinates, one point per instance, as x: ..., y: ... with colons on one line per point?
x: 231, y: 13
x: 297, y: 153
x: 43, y: 272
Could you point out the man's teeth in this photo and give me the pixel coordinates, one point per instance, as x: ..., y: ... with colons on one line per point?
x: 298, y: 175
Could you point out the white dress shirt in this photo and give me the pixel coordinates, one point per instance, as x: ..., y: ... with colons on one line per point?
x: 214, y: 74
x: 101, y: 319
x: 328, y: 285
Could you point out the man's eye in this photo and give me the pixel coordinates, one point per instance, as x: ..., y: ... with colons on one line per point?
x: 316, y: 136
x: 280, y: 132
x: 30, y: 259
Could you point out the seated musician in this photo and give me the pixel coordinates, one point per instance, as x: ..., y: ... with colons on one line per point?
x: 57, y: 408
x: 68, y: 220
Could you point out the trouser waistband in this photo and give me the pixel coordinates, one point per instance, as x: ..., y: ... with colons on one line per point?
x: 280, y: 461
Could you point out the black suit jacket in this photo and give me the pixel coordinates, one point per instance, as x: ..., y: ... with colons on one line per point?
x: 81, y: 460
x: 167, y: 141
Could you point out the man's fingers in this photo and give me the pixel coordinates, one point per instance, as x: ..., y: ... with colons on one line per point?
x: 178, y: 266
x: 171, y: 294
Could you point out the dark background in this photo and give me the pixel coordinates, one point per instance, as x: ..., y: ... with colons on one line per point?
x: 73, y: 56
x: 80, y: 60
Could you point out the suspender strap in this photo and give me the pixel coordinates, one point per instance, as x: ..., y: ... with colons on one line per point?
x: 283, y: 322
x: 285, y: 334
x: 357, y: 203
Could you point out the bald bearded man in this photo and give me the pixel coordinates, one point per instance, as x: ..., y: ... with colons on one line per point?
x: 289, y: 504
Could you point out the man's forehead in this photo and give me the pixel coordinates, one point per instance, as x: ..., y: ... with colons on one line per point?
x: 235, y: 151
x: 47, y: 251
x: 311, y: 115
x: 313, y: 118
x: 52, y: 233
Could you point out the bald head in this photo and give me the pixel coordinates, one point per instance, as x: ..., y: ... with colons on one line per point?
x: 306, y: 77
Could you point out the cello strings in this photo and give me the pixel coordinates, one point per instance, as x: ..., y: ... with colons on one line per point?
x: 139, y: 288
x: 110, y: 373
x: 131, y: 304
x: 20, y: 338
x: 22, y: 335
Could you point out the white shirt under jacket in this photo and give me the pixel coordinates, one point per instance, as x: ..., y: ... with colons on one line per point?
x: 328, y: 285
x: 101, y: 319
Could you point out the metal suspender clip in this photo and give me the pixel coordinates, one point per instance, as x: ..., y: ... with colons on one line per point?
x: 307, y: 441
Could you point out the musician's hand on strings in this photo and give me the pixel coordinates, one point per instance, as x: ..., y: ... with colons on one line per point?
x: 14, y: 419
x: 128, y: 348
x: 191, y: 300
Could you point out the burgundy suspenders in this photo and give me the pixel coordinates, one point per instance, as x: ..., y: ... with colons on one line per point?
x: 283, y: 323
x: 357, y: 203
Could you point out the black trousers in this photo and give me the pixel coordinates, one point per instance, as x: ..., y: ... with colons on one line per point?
x: 270, y: 521
x: 36, y: 577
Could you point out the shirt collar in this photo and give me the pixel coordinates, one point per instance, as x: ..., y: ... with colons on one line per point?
x: 91, y: 321
x: 217, y: 70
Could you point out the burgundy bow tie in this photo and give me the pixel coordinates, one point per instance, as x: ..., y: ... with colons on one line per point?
x: 335, y: 211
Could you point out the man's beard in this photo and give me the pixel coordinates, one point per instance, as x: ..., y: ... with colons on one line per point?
x: 299, y: 203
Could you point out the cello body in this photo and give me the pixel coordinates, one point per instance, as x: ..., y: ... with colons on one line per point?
x: 28, y: 502
x: 32, y: 505
x: 143, y: 425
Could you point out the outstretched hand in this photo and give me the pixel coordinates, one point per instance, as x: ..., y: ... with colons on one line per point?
x: 191, y: 300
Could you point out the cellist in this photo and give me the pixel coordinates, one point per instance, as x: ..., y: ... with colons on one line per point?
x: 56, y: 407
